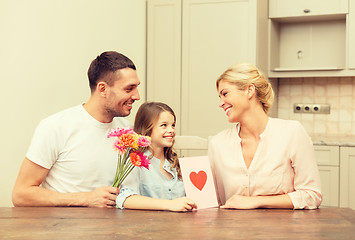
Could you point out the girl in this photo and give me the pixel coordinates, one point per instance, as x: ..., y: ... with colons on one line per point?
x: 160, y: 187
x: 260, y: 162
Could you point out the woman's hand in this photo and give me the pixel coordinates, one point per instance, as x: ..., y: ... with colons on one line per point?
x: 183, y: 204
x: 242, y: 202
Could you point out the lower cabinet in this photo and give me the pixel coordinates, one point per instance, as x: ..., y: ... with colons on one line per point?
x: 336, y: 165
x: 328, y: 164
x: 347, y: 177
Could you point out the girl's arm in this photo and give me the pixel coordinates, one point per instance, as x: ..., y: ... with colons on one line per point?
x: 183, y: 204
x: 245, y: 202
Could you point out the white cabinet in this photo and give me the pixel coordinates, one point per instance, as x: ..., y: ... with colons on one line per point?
x: 164, y: 53
x: 190, y: 43
x: 328, y: 164
x: 347, y: 177
x: 309, y: 39
x: 292, y: 8
x: 336, y: 166
x: 351, y: 33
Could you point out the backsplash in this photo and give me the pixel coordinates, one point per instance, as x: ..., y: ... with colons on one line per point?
x: 338, y: 92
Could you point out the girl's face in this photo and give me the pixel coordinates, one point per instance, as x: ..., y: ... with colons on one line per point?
x: 232, y: 100
x: 163, y: 132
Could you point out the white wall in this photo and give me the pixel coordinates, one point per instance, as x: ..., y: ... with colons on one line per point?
x: 46, y: 47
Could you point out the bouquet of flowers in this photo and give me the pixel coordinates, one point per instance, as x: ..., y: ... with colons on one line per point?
x: 128, y: 143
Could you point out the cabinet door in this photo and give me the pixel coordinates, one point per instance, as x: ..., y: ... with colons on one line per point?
x: 329, y: 177
x: 327, y: 155
x: 351, y: 34
x: 304, y: 46
x: 164, y: 53
x: 293, y: 8
x: 216, y: 35
x: 347, y: 177
x: 327, y: 158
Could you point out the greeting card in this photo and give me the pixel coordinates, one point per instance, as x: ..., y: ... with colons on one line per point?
x: 198, y: 181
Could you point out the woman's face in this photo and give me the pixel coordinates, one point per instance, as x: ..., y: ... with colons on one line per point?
x: 163, y: 132
x: 232, y: 100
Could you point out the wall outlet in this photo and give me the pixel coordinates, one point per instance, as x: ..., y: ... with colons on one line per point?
x: 311, y: 108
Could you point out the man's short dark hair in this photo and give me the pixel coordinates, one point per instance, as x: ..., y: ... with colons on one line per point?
x: 105, y: 63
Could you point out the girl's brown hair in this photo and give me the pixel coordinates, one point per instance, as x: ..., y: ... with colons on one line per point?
x: 148, y: 115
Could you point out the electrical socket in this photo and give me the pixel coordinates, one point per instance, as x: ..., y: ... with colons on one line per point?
x: 311, y: 108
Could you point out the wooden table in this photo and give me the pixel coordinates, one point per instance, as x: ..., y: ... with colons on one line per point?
x: 91, y: 223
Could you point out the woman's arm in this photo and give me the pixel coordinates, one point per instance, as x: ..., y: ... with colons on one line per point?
x: 183, y: 204
x: 246, y: 202
x: 307, y: 185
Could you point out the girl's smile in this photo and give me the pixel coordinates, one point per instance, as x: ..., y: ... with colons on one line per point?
x: 163, y: 132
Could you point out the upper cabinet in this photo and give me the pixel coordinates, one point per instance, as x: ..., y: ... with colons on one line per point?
x: 309, y: 39
x: 305, y: 8
x: 190, y: 43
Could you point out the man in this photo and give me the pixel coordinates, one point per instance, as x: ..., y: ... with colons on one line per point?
x: 71, y: 161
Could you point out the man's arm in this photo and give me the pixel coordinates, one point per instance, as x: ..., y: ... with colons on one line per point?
x: 27, y: 191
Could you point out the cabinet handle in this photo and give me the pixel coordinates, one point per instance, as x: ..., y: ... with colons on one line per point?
x: 299, y: 54
x: 307, y: 10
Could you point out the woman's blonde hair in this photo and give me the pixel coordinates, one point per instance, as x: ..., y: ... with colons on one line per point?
x: 146, y: 117
x: 244, y: 74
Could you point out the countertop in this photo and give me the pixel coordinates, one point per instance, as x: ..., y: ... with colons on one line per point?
x: 336, y: 140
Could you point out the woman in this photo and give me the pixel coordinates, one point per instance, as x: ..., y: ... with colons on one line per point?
x: 260, y: 162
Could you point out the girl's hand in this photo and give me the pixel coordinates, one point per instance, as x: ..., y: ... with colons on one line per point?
x: 183, y: 204
x: 241, y: 202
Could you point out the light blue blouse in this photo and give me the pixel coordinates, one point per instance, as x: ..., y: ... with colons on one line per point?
x: 151, y: 183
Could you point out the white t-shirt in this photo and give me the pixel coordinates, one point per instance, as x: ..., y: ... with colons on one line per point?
x: 75, y: 147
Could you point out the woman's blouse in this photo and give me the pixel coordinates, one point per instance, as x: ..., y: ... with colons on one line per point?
x: 284, y: 162
x: 151, y: 183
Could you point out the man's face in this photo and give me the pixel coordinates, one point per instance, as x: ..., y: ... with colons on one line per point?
x: 123, y: 93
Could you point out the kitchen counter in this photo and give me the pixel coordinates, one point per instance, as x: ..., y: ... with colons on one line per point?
x: 342, y: 141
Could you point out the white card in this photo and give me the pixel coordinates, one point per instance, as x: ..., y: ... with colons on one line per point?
x: 198, y: 181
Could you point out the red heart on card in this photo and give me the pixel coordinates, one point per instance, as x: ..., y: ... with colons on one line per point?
x: 198, y: 179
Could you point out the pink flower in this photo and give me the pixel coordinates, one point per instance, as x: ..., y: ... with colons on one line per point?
x: 119, y: 147
x: 143, y: 141
x: 120, y: 131
x: 145, y: 161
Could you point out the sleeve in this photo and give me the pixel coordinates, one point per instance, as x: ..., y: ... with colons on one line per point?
x: 44, y: 146
x: 130, y: 186
x: 307, y: 185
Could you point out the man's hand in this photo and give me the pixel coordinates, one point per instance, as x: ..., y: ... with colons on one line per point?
x: 102, y: 197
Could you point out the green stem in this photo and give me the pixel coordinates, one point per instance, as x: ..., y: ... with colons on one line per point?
x: 120, y: 166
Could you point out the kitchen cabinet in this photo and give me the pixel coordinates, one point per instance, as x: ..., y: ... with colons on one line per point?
x: 336, y: 166
x: 347, y: 177
x: 308, y: 39
x: 292, y: 8
x: 351, y: 32
x: 327, y: 158
x: 189, y: 44
x: 164, y: 54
